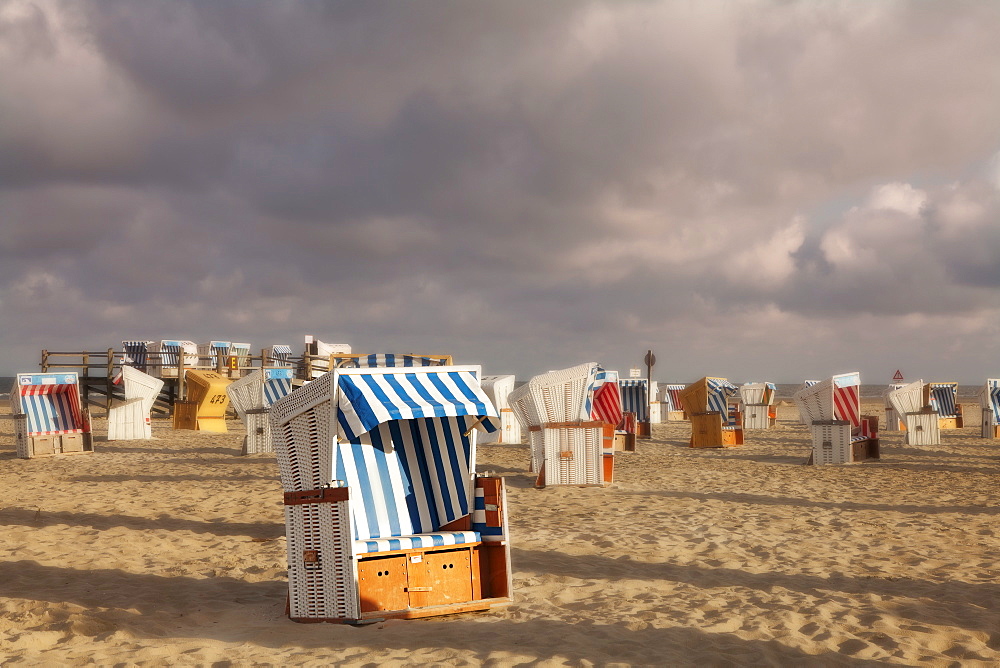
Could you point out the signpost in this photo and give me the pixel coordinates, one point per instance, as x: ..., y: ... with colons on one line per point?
x: 642, y: 428
x: 898, y: 377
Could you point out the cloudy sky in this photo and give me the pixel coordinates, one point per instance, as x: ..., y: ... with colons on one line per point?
x: 758, y: 190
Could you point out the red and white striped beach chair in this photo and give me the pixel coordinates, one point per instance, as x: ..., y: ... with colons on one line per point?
x: 840, y: 433
x: 49, y: 417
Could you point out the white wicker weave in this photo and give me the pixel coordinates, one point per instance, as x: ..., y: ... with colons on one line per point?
x: 498, y: 389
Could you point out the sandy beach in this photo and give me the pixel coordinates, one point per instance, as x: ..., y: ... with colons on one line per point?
x: 172, y: 551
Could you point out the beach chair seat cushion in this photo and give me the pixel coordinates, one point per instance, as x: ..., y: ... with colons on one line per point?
x: 416, y: 541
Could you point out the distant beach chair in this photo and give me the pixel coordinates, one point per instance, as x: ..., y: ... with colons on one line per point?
x: 671, y: 408
x: 49, y: 416
x: 207, y: 402
x: 165, y: 357
x: 911, y: 401
x: 319, y: 354
x: 568, y: 445
x: 989, y: 402
x: 893, y: 420
x: 498, y: 389
x: 635, y: 399
x: 804, y: 419
x: 713, y: 424
x: 385, y: 515
x: 840, y: 434
x: 214, y: 354
x: 130, y: 419
x: 280, y: 355
x: 252, y: 397
x: 135, y: 354
x: 943, y: 398
x: 238, y: 360
x: 757, y: 405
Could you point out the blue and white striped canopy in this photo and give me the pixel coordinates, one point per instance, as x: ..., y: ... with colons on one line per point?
x: 277, y: 384
x: 635, y: 397
x: 719, y: 391
x: 376, y: 360
x: 373, y: 396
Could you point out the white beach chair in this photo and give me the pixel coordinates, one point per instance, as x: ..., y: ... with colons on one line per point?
x: 130, y: 419
x: 893, y: 420
x: 214, y: 354
x: 385, y: 515
x: 319, y: 353
x: 840, y: 434
x: 498, y: 389
x: 568, y: 446
x: 920, y: 419
x: 252, y: 396
x: 804, y: 419
x: 989, y: 402
x: 49, y: 417
x: 757, y: 405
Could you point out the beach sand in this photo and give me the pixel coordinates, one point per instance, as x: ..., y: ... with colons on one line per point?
x: 172, y: 551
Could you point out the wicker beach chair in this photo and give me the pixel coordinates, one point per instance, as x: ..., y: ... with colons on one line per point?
x: 252, y: 397
x: 568, y: 445
x: 713, y: 424
x: 757, y: 405
x: 385, y: 515
x: 130, y: 419
x: 803, y: 418
x: 49, y: 417
x: 911, y: 401
x: 989, y: 402
x: 840, y: 434
x: 279, y: 355
x: 214, y: 354
x: 498, y: 389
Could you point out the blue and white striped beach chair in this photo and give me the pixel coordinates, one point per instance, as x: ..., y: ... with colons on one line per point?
x: 989, y: 402
x: 635, y: 399
x: 281, y: 355
x: 384, y: 512
x: 134, y: 354
x: 164, y: 357
x: 943, y: 398
x: 49, y: 416
x: 252, y: 397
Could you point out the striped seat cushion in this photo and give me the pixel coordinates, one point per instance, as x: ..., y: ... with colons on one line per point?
x: 420, y: 540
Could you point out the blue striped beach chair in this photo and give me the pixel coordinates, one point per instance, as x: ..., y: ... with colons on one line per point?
x: 568, y: 445
x: 214, y: 354
x: 840, y: 433
x: 49, y: 416
x: 280, y: 355
x: 635, y: 399
x: 164, y: 357
x: 135, y: 353
x: 713, y: 424
x: 385, y: 515
x: 989, y: 402
x: 252, y: 397
x: 943, y: 398
x: 388, y: 360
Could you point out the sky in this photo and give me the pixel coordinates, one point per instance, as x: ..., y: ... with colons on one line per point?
x: 755, y: 190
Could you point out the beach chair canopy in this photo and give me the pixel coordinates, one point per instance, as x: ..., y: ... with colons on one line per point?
x: 606, y: 404
x: 908, y: 399
x: 758, y: 394
x: 50, y: 403
x: 671, y: 396
x: 388, y: 360
x: 710, y: 394
x: 558, y: 396
x: 943, y: 398
x: 635, y: 397
x: 836, y: 398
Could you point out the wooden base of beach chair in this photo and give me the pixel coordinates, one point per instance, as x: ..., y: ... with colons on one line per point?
x: 643, y: 430
x: 707, y: 432
x: 54, y: 445
x: 922, y: 429
x: 676, y: 416
x: 990, y: 430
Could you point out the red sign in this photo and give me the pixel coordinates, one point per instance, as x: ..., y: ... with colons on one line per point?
x: 899, y: 376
